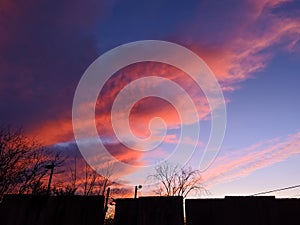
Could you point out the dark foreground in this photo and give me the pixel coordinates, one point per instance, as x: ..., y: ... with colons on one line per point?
x: 89, y: 210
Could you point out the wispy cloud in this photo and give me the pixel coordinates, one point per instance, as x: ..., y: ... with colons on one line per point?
x: 243, y: 162
x: 245, y: 46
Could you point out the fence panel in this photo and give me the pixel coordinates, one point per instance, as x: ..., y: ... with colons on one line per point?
x: 149, y: 211
x: 49, y: 210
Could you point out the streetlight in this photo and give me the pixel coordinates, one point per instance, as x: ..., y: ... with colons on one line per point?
x: 136, y: 189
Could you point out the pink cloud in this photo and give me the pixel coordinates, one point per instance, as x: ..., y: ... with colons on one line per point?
x: 232, y: 62
x: 248, y: 48
x: 245, y: 161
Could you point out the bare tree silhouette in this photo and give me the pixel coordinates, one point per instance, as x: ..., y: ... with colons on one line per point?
x: 175, y: 181
x: 23, y: 163
x: 96, y: 183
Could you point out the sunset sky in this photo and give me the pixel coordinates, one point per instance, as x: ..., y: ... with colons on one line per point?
x: 252, y: 47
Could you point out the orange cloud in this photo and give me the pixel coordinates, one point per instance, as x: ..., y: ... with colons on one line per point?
x: 52, y: 132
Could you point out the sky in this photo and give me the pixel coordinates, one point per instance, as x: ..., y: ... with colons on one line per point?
x: 252, y: 48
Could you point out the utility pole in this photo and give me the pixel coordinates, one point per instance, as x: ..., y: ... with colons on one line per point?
x: 51, y: 167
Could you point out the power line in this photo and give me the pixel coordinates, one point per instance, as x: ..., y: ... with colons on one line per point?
x: 277, y: 190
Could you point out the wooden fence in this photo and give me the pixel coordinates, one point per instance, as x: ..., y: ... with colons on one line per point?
x: 51, y: 210
x: 88, y: 210
x: 149, y: 211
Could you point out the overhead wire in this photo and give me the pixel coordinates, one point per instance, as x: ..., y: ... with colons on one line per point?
x: 276, y: 190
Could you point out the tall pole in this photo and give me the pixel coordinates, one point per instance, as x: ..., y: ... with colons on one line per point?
x: 51, y: 167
